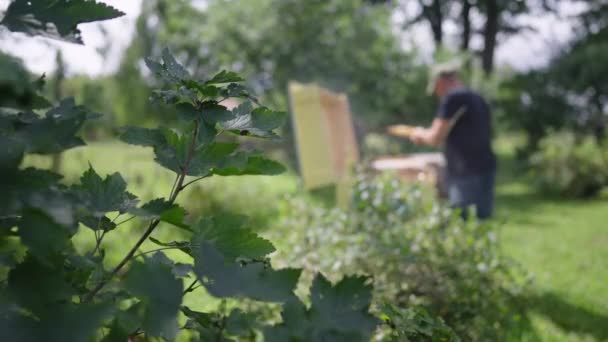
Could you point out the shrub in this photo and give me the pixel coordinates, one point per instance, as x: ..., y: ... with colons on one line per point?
x: 570, y: 166
x: 419, y: 253
x: 52, y: 289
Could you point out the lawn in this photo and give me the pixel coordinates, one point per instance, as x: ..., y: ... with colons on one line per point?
x: 563, y: 243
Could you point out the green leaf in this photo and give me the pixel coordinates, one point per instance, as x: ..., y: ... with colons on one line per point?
x: 35, y: 284
x: 153, y: 209
x: 206, y: 134
x: 248, y: 163
x: 227, y: 235
x: 56, y: 131
x: 256, y: 280
x: 61, y: 323
x: 245, y: 120
x: 104, y: 195
x: 337, y: 313
x: 169, y: 70
x: 16, y: 89
x: 236, y: 90
x: 240, y: 323
x: 180, y: 270
x: 177, y: 244
x: 225, y: 77
x: 208, y: 325
x: 42, y: 235
x: 57, y: 19
x: 74, y: 322
x: 143, y: 136
x: 208, y: 158
x: 97, y: 223
x: 163, y: 210
x: 172, y: 67
x: 160, y: 293
x: 11, y: 153
x: 171, y: 97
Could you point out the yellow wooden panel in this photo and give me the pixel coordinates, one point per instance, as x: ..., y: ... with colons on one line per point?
x: 312, y: 136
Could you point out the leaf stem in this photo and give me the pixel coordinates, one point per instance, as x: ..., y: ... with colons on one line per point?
x: 191, y: 287
x: 153, y: 250
x: 125, y: 220
x: 193, y: 181
x: 153, y: 224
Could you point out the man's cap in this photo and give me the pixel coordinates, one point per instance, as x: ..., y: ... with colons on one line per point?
x: 439, y: 70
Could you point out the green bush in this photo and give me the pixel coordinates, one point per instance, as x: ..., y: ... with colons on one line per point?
x: 419, y: 253
x: 570, y: 166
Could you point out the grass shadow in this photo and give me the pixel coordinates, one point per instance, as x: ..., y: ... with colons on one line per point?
x: 568, y: 316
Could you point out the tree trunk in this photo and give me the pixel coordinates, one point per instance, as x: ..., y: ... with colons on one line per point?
x: 466, y: 25
x: 490, y: 33
x: 59, y: 77
x: 434, y: 15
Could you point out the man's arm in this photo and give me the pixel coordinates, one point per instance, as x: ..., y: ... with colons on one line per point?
x: 434, y: 135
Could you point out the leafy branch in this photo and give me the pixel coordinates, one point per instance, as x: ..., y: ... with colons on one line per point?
x: 153, y: 224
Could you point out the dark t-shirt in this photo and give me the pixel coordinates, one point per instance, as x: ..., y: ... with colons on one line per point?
x: 468, y: 147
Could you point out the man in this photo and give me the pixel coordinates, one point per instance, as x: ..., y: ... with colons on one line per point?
x: 463, y: 125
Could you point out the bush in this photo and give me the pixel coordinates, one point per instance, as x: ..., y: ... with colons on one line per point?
x: 570, y: 166
x: 419, y: 253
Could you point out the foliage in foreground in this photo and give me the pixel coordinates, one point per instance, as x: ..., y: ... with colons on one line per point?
x: 50, y: 286
x: 571, y: 166
x: 419, y: 255
x: 52, y: 291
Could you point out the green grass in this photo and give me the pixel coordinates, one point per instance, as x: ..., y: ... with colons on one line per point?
x: 564, y: 243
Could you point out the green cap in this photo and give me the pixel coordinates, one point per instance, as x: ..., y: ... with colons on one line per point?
x: 439, y: 70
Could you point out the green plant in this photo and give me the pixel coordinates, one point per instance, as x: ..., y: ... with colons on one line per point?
x: 52, y: 290
x: 570, y: 166
x: 419, y: 254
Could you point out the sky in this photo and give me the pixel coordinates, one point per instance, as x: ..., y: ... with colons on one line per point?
x: 522, y: 52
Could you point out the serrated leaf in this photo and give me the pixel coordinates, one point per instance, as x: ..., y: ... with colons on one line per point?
x: 248, y: 163
x: 225, y: 77
x: 175, y: 216
x: 56, y: 131
x: 162, y: 210
x: 240, y: 323
x: 227, y: 235
x: 255, y: 280
x: 236, y: 90
x: 74, y: 322
x: 17, y: 91
x: 206, y: 134
x: 36, y: 284
x: 245, y: 120
x: 153, y: 209
x: 186, y: 111
x: 160, y: 293
x: 180, y: 270
x: 171, y: 97
x: 177, y: 244
x: 169, y: 70
x: 44, y: 238
x: 97, y: 223
x: 142, y: 136
x: 11, y: 153
x: 104, y: 195
x: 65, y: 322
x: 173, y: 67
x: 337, y: 313
x: 208, y: 325
x: 57, y: 19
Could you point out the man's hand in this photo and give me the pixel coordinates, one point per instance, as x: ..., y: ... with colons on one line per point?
x: 419, y: 136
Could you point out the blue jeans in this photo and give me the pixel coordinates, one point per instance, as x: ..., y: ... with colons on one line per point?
x: 473, y: 191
